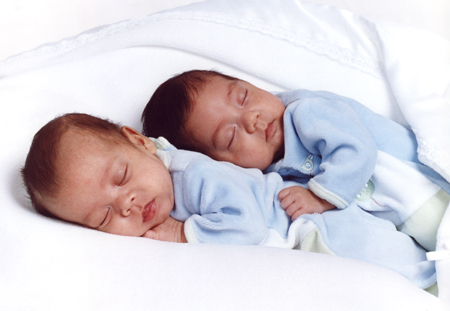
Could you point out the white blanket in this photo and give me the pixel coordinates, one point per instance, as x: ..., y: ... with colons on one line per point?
x: 399, y: 72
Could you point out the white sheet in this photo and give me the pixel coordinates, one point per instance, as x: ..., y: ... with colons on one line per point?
x: 50, y: 265
x: 25, y: 24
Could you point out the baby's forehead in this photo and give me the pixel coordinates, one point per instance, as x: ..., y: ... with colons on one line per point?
x: 210, y: 80
x: 86, y: 158
x: 90, y: 136
x: 75, y: 138
x: 76, y: 144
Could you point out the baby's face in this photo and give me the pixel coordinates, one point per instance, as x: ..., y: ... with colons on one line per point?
x: 237, y: 122
x: 113, y: 187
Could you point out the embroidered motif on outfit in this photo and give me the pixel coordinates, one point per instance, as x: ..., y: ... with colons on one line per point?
x: 366, y: 193
x: 308, y: 165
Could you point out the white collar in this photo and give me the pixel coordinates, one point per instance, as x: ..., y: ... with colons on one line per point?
x: 164, y: 156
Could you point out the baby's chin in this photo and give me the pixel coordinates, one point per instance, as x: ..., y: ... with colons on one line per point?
x: 265, y: 165
x: 265, y: 162
x: 278, y: 155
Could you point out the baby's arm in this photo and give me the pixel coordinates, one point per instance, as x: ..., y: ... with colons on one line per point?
x: 171, y: 231
x: 222, y: 203
x: 332, y: 130
x: 297, y: 201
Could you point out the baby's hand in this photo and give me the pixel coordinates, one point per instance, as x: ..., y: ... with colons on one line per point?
x: 297, y: 201
x: 171, y: 231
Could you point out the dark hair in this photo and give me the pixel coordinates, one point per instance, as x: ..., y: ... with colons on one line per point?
x: 168, y: 109
x: 39, y: 172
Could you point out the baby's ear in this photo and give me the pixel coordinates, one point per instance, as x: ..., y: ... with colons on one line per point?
x: 138, y: 139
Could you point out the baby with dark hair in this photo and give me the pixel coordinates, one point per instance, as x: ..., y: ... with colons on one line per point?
x: 335, y: 147
x: 176, y: 94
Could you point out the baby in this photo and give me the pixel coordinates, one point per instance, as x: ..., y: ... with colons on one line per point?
x: 92, y: 172
x: 335, y: 147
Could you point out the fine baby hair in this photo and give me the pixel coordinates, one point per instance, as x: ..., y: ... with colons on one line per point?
x: 39, y: 172
x: 226, y: 118
x: 169, y: 107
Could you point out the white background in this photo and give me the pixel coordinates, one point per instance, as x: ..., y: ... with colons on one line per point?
x: 26, y: 24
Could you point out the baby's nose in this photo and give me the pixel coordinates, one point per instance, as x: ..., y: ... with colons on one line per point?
x: 126, y: 203
x: 251, y: 120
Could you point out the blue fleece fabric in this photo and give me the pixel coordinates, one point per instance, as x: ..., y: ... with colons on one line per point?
x: 332, y: 142
x: 355, y: 233
x: 224, y: 203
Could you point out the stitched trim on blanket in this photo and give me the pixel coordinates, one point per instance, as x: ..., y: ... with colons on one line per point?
x: 432, y: 154
x: 322, y: 47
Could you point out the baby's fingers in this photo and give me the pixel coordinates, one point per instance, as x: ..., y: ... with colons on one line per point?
x: 283, y: 193
x: 287, y: 201
x: 297, y: 214
x: 295, y: 209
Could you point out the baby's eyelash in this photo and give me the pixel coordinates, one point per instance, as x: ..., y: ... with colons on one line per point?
x: 104, y: 219
x: 245, y: 97
x: 124, y: 176
x: 232, y: 137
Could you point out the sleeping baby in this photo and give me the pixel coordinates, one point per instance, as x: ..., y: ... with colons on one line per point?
x: 92, y: 172
x: 335, y: 147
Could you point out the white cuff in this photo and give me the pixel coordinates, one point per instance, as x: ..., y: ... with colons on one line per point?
x: 438, y: 255
x: 325, y: 194
x: 189, y: 231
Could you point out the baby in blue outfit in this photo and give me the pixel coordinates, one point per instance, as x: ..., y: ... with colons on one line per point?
x: 339, y: 150
x: 342, y: 153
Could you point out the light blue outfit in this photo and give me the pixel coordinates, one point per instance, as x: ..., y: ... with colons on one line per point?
x: 223, y: 203
x: 343, y: 151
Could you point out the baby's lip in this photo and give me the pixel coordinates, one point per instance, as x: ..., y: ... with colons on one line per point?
x: 149, y: 211
x: 270, y: 130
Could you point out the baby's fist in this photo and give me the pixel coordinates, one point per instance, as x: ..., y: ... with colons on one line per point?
x: 297, y: 201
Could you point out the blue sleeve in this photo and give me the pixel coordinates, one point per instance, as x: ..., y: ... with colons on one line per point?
x: 225, y: 203
x: 330, y: 129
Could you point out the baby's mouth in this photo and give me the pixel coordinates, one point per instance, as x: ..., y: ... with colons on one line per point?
x: 149, y: 211
x: 270, y: 129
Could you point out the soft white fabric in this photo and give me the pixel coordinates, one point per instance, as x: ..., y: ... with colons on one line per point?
x: 417, y: 66
x: 112, y: 71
